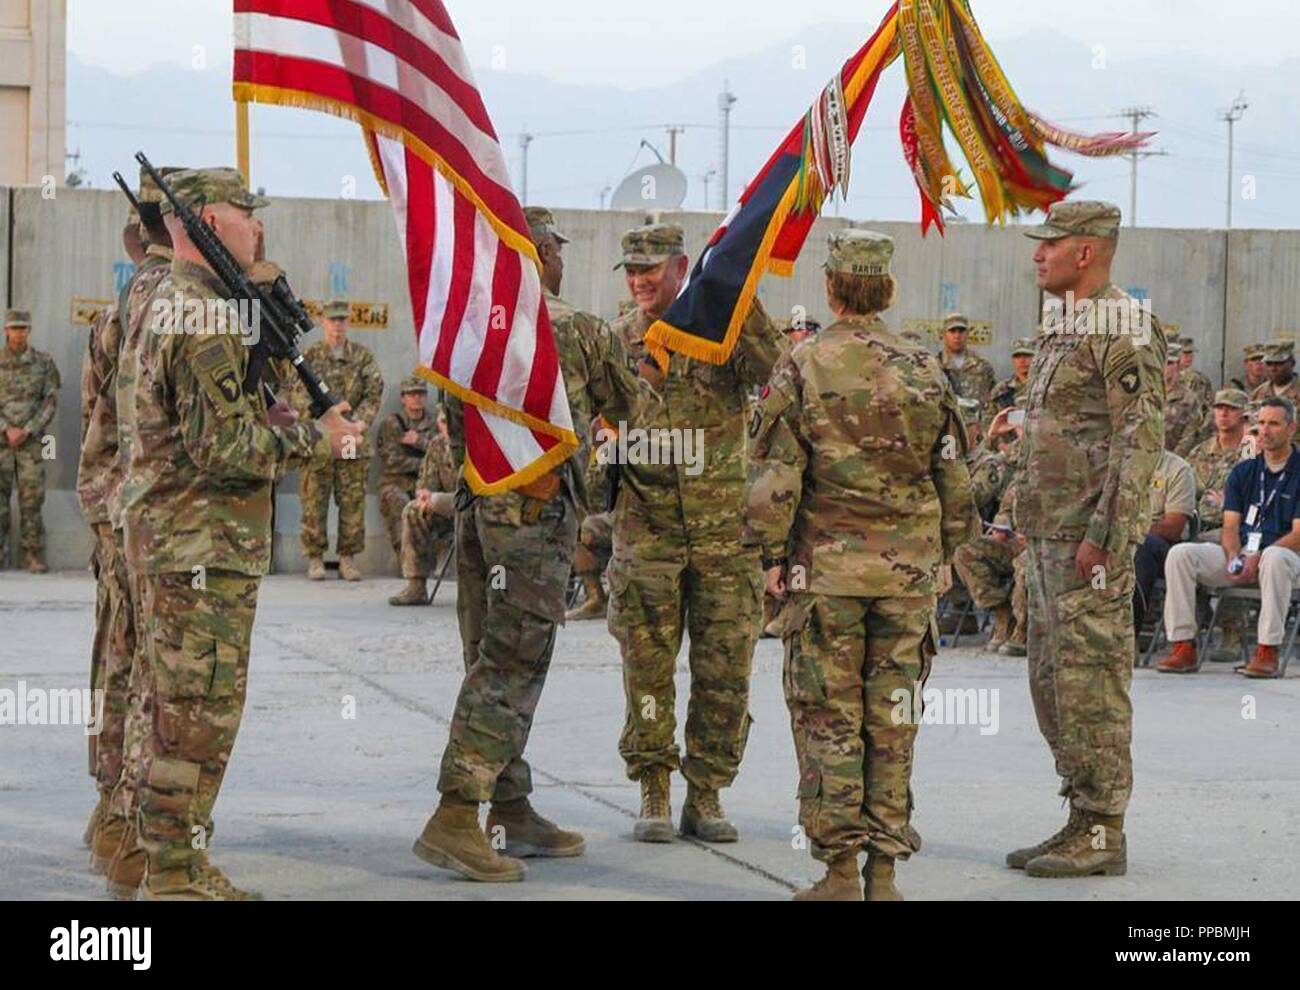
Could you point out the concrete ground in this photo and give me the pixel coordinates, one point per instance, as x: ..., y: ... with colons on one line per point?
x: 316, y: 805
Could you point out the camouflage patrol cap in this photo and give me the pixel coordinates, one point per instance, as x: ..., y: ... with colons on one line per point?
x: 652, y: 245
x: 414, y: 384
x: 337, y: 309
x: 1082, y: 218
x: 212, y: 185
x: 542, y: 222
x: 1279, y: 351
x: 955, y: 321
x: 854, y: 251
x: 1189, y: 345
x: 18, y: 318
x: 1174, y: 351
x: 1255, y: 352
x: 1234, y: 397
x: 149, y: 191
x: 1025, y: 345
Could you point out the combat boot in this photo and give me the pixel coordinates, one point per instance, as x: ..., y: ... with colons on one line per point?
x: 656, y: 821
x: 593, y: 604
x: 878, y: 879
x: 1003, y: 620
x: 127, y: 866
x: 529, y: 834
x: 315, y: 569
x: 416, y: 592
x: 96, y: 816
x: 453, y: 840
x: 841, y: 882
x: 197, y: 880
x: 1181, y: 659
x: 34, y: 564
x: 1020, y: 858
x: 1263, y: 665
x: 702, y: 816
x: 348, y: 570
x: 1098, y: 848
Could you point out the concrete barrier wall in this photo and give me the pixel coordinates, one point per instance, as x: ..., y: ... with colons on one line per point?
x: 1227, y: 291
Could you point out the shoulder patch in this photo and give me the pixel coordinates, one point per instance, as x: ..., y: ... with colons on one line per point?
x: 1130, y: 380
x: 214, y: 367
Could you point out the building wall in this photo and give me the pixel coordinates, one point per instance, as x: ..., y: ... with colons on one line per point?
x: 1223, y: 290
x: 33, y: 57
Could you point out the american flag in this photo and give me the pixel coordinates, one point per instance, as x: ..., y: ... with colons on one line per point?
x: 398, y: 68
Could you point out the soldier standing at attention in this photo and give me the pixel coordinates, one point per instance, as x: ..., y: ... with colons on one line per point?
x: 29, y: 394
x: 971, y: 376
x: 1282, y: 383
x: 197, y: 507
x: 1255, y: 371
x: 678, y: 564
x: 858, y: 493
x: 1194, y: 378
x: 353, y: 375
x: 403, y: 438
x: 1093, y: 435
x: 1185, y: 413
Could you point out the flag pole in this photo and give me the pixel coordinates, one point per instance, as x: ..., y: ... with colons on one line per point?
x: 241, y: 140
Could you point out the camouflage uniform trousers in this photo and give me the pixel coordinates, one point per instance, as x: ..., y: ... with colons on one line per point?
x: 513, y: 559
x: 664, y: 584
x: 346, y: 479
x: 1081, y: 656
x: 597, y: 535
x: 139, y: 707
x: 846, y: 662
x: 111, y: 655
x: 422, y: 531
x: 994, y: 574
x: 197, y: 649
x: 393, y: 499
x: 23, y: 469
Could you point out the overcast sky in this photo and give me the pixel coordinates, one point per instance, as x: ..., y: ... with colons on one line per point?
x: 633, y: 45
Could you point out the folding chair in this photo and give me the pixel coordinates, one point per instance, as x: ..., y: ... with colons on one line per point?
x: 1252, y: 597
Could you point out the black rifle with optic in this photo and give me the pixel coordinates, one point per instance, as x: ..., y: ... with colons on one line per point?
x: 282, y: 318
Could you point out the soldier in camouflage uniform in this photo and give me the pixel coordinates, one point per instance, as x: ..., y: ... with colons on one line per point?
x: 514, y: 552
x: 1279, y: 361
x: 858, y: 493
x: 29, y: 394
x: 1185, y: 413
x: 971, y: 376
x: 429, y: 519
x: 403, y: 439
x: 1214, y: 458
x: 352, y: 374
x: 678, y: 564
x: 1255, y: 371
x: 197, y: 509
x: 1093, y: 435
x: 1006, y: 392
x: 1199, y: 382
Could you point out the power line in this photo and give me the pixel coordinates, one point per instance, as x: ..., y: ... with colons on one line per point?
x: 1136, y: 115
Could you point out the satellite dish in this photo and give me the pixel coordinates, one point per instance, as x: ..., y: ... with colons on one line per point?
x: 656, y: 187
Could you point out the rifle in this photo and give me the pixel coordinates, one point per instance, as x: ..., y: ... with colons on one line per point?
x: 282, y: 318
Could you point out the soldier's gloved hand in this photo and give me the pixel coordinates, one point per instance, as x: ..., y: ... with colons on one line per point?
x: 282, y: 415
x: 344, y: 435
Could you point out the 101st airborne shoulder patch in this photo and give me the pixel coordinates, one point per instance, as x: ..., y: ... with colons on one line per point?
x: 1130, y: 379
x: 214, y: 367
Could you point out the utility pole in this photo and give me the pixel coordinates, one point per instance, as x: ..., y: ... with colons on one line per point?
x: 525, y: 140
x: 708, y: 177
x: 1231, y: 116
x: 672, y: 143
x: 725, y: 102
x: 603, y: 193
x: 1136, y: 115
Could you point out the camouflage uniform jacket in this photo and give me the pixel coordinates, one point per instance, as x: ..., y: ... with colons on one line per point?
x: 1185, y: 416
x: 198, y: 486
x: 710, y: 398
x: 1093, y: 431
x: 991, y: 471
x: 29, y: 390
x: 973, y: 380
x: 1291, y: 390
x: 858, y: 470
x: 1004, y: 395
x: 157, y: 265
x: 354, y: 378
x: 1199, y: 384
x: 1212, y: 466
x: 437, y: 467
x: 400, y: 462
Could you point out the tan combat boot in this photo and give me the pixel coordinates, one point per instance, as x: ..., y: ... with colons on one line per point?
x: 1020, y: 858
x: 126, y: 867
x: 1098, y: 848
x: 656, y: 821
x: 841, y: 882
x: 529, y: 834
x: 197, y: 880
x: 348, y: 570
x: 416, y: 592
x: 315, y: 569
x: 593, y: 604
x: 1017, y: 643
x: 703, y: 818
x: 878, y: 878
x: 34, y: 564
x: 453, y: 840
x: 1003, y: 620
x: 96, y: 816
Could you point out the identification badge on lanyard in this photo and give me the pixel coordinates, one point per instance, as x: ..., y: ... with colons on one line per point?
x: 1252, y: 515
x: 1253, y: 542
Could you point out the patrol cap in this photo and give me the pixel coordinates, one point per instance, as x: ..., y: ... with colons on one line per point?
x: 18, y: 318
x: 652, y: 245
x: 1234, y: 397
x: 1025, y: 345
x: 542, y: 222
x: 1082, y: 218
x: 337, y: 309
x: 854, y: 251
x: 1255, y: 352
x: 193, y: 186
x: 1279, y: 351
x: 1174, y: 351
x: 149, y: 191
x: 1189, y: 345
x: 955, y: 321
x: 414, y: 384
